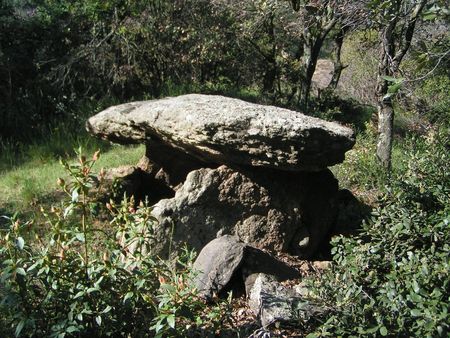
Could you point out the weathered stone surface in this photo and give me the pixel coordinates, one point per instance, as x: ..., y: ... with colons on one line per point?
x: 282, y: 211
x: 216, y: 129
x: 272, y: 302
x: 226, y: 259
x: 217, y: 263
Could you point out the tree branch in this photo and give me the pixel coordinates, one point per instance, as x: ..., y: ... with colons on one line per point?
x: 409, y: 32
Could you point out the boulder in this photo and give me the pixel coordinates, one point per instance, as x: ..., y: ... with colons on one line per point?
x: 225, y: 262
x: 222, y: 130
x: 274, y: 210
x: 274, y: 303
x: 216, y: 165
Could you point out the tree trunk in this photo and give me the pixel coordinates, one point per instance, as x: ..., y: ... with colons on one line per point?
x: 312, y: 57
x: 395, y: 44
x: 385, y: 132
x: 269, y: 81
x: 385, y: 105
x: 270, y: 75
x: 337, y: 62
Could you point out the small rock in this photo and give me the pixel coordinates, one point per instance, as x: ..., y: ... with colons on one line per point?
x: 273, y: 303
x: 216, y: 264
x: 270, y: 301
x: 322, y: 265
x: 226, y: 259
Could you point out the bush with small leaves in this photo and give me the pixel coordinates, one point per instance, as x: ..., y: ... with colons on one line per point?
x: 393, y: 278
x: 80, y: 279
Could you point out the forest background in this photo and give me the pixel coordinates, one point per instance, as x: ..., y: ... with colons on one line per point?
x: 379, y: 66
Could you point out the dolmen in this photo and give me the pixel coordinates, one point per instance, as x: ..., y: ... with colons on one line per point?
x: 218, y: 166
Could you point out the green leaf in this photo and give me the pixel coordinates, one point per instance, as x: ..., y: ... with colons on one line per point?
x: 383, y: 331
x: 168, y: 287
x: 75, y: 195
x: 68, y: 210
x: 171, y: 321
x: 128, y: 296
x: 19, y: 327
x: 20, y: 243
x: 98, y: 319
x: 394, y: 88
x: 21, y: 271
x: 97, y: 283
x: 415, y: 313
x: 80, y: 237
x: 107, y: 309
x: 158, y: 326
x: 429, y: 16
x: 370, y: 330
x: 79, y: 294
x: 71, y: 329
x: 389, y: 78
x: 312, y: 335
x: 416, y: 286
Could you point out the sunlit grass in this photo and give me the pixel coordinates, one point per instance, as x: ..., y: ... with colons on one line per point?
x: 362, y: 173
x: 32, y: 181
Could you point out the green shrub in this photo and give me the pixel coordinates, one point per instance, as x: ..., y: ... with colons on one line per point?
x: 434, y: 92
x: 82, y: 279
x: 329, y: 106
x: 361, y: 170
x: 393, y: 278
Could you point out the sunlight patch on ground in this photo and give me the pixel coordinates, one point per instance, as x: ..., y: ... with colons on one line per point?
x: 27, y: 183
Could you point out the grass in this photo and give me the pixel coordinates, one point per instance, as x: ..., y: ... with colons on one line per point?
x: 22, y: 186
x: 361, y: 173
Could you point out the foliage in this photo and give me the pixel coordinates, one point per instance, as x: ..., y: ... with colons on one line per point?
x: 359, y: 78
x: 82, y: 279
x: 392, y: 279
x: 360, y: 172
x: 434, y: 93
x: 329, y: 106
x: 58, y: 56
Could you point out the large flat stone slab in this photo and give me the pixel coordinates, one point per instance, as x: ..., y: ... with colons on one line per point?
x: 222, y: 130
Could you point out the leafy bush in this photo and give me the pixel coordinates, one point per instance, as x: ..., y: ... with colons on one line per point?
x: 434, y: 92
x: 361, y: 171
x: 329, y: 106
x: 81, y: 279
x: 359, y: 52
x: 392, y: 279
